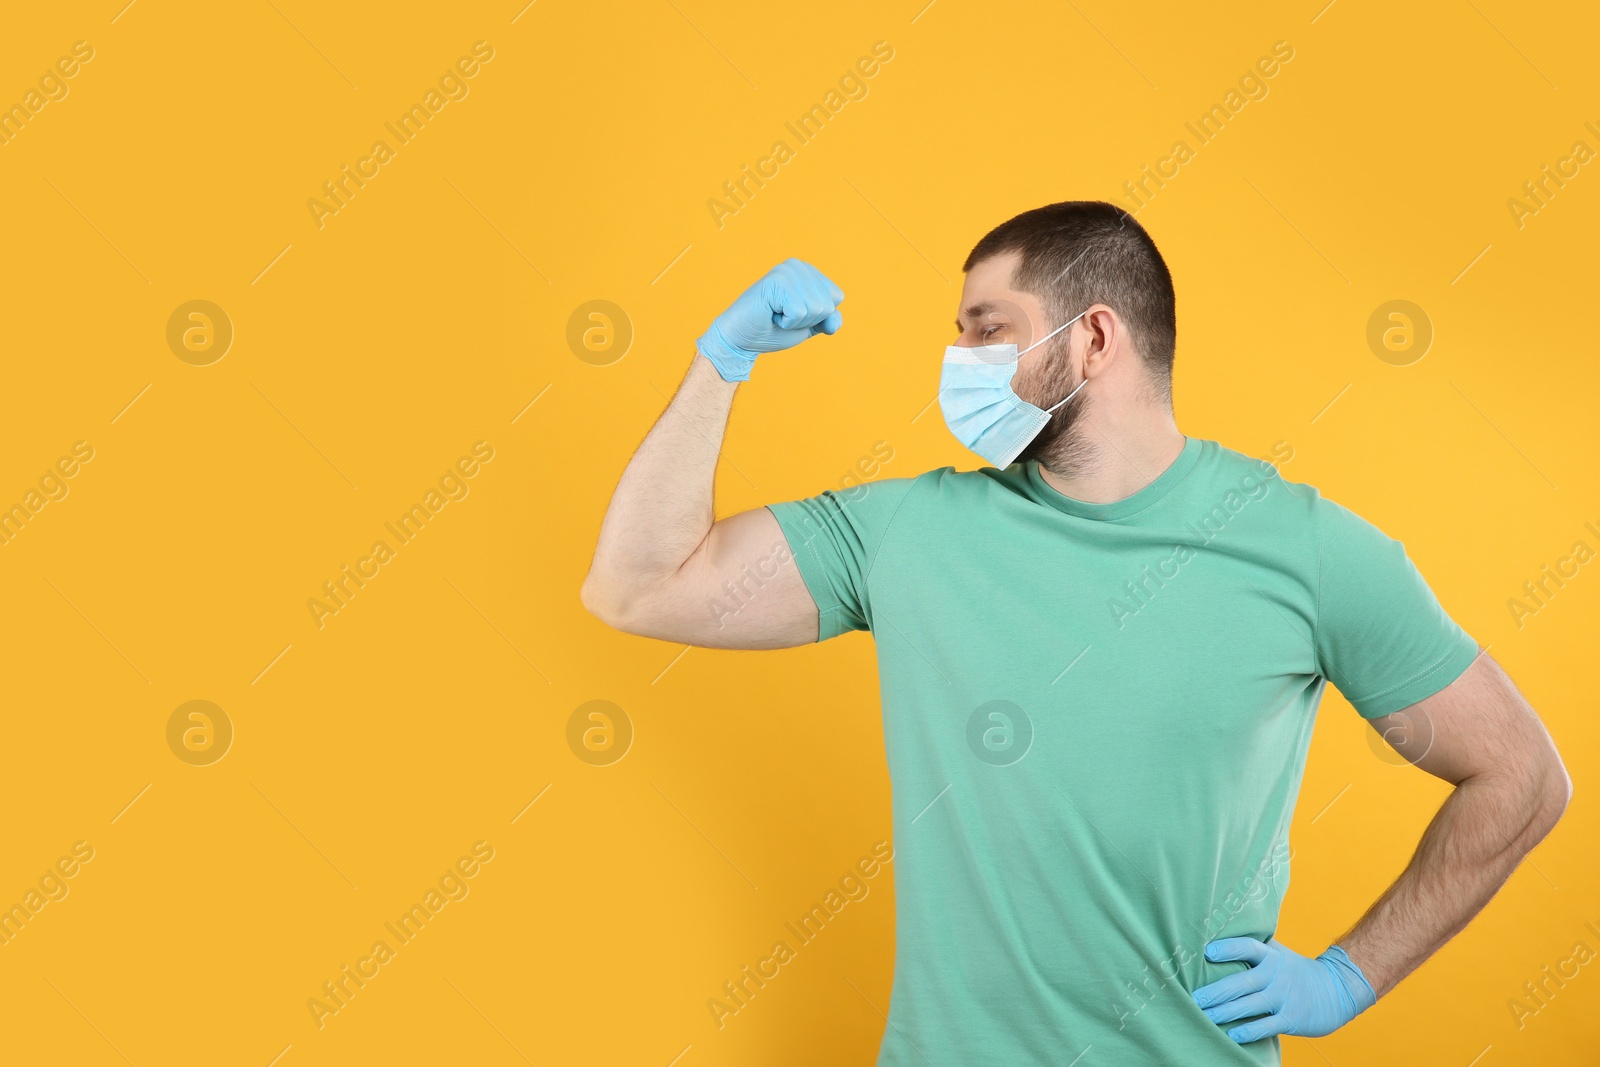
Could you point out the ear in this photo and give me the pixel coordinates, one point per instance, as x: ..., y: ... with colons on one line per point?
x: 1106, y: 337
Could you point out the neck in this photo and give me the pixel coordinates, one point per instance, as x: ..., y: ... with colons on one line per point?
x: 1109, y: 456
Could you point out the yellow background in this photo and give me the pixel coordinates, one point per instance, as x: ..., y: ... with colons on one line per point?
x: 431, y: 310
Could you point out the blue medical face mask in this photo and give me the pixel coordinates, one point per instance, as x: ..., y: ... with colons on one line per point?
x: 982, y: 409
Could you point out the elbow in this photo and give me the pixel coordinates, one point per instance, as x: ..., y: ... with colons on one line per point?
x: 1557, y: 793
x: 1547, y: 793
x: 601, y: 601
x: 617, y: 605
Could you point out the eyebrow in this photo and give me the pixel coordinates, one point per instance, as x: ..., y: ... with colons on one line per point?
x: 976, y: 310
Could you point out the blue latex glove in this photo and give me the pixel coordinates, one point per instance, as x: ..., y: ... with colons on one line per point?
x: 1298, y: 996
x: 792, y: 302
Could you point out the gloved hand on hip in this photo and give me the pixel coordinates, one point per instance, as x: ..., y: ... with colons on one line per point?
x: 1298, y: 996
x: 792, y: 302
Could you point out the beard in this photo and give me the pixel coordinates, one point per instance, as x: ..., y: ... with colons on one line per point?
x: 1062, y: 447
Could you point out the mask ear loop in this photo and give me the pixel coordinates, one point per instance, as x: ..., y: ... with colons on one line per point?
x: 1053, y: 332
x: 1051, y: 410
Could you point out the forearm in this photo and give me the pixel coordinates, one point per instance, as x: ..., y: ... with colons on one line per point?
x: 1476, y: 840
x: 662, y: 508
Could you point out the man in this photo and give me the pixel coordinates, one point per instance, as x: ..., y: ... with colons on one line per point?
x: 1100, y: 662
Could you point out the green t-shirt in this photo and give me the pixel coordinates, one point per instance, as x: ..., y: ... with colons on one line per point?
x: 1096, y: 718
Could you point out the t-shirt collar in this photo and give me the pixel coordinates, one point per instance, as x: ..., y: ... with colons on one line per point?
x: 1045, y: 493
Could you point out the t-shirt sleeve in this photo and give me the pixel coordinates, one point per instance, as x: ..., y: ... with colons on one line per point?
x: 834, y: 538
x: 1382, y: 637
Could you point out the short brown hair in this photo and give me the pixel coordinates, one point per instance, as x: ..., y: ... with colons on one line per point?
x: 1082, y: 252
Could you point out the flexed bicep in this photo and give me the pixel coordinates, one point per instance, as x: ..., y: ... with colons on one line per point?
x: 740, y: 589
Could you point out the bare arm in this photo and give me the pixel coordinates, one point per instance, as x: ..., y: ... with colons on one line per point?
x: 1479, y: 734
x: 664, y: 567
